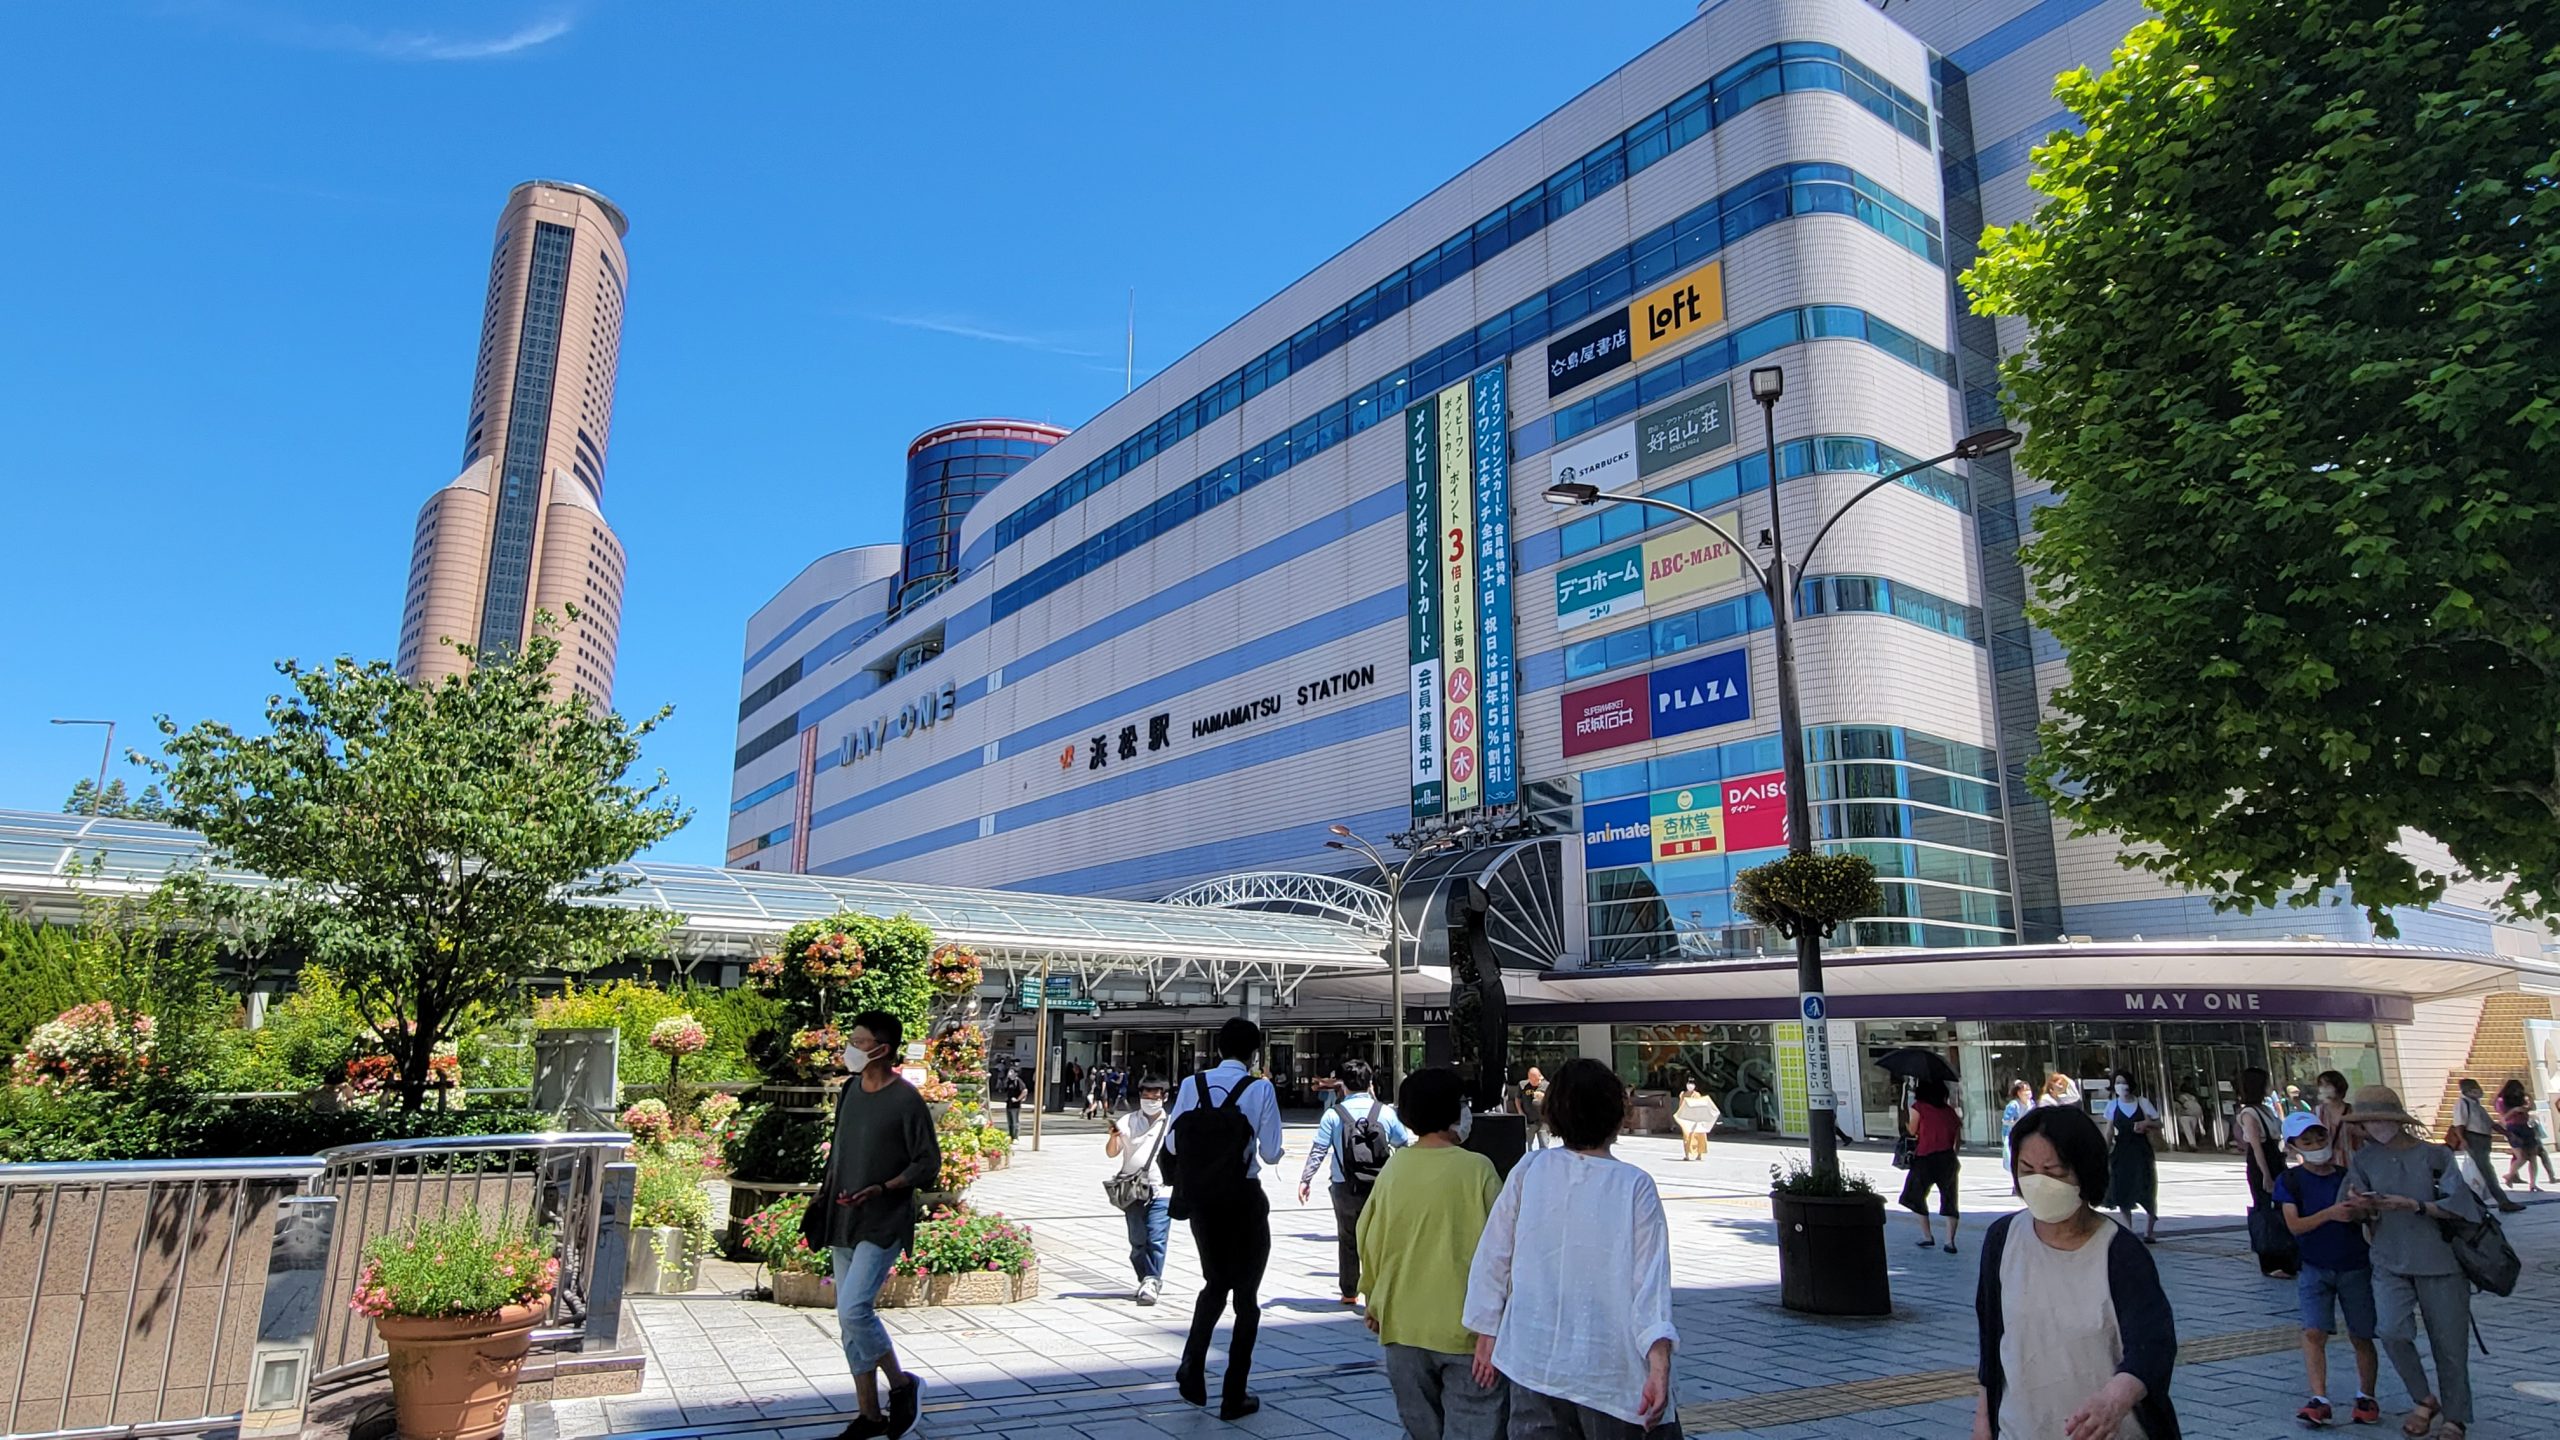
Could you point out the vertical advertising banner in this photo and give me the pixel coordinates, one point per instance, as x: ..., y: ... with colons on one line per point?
x: 1492, y: 430
x: 1462, y: 750
x: 1422, y: 599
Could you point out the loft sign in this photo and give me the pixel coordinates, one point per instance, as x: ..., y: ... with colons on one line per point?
x: 921, y: 713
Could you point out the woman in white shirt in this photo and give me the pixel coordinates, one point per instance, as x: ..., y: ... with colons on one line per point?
x: 1574, y: 1306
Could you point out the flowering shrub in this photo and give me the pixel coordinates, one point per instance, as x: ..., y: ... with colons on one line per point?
x: 456, y: 1264
x: 954, y: 970
x: 959, y: 1240
x: 87, y: 1047
x: 765, y: 971
x: 772, y: 1235
x: 958, y: 1054
x: 960, y: 1169
x: 650, y: 1122
x: 937, y: 1092
x: 678, y: 1036
x: 371, y: 1077
x: 818, y: 1052
x: 716, y: 1113
x: 668, y: 1191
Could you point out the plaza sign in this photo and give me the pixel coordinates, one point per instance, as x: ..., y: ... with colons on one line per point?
x: 1693, y: 695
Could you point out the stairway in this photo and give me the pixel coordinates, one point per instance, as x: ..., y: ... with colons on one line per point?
x: 2498, y: 1054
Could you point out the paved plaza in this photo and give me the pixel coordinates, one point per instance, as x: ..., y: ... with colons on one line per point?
x: 1082, y: 1361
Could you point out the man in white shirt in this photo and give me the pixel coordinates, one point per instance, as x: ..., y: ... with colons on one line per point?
x: 1358, y: 1149
x: 1233, y: 1232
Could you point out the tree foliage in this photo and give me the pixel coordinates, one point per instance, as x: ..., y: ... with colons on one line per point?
x: 2293, y: 379
x: 431, y: 846
x: 86, y: 799
x: 1815, y: 893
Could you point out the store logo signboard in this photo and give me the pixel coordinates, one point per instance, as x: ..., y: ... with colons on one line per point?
x: 1590, y: 352
x: 921, y: 713
x: 1691, y: 305
x: 1755, y: 811
x: 1606, y: 459
x: 1673, y: 433
x: 1497, y: 704
x: 1687, y: 823
x: 1702, y: 693
x: 1691, y: 560
x: 1461, y: 748
x: 1422, y: 599
x: 1599, y: 586
x: 1618, y: 713
x: 1617, y: 832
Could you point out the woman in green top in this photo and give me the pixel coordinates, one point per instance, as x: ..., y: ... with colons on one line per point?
x: 1418, y: 1237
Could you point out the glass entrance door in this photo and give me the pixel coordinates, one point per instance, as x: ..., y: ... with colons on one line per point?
x: 2204, y: 1083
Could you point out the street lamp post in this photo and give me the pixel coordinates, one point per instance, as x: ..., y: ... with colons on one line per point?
x: 98, y: 797
x: 1394, y: 876
x: 1777, y: 582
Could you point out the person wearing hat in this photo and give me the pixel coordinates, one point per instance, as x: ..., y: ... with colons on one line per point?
x: 2337, y: 1266
x: 2410, y: 1186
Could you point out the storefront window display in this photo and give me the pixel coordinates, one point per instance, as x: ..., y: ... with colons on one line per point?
x: 1545, y: 1046
x: 1736, y: 1064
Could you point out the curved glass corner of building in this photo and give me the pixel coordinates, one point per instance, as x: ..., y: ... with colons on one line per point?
x: 948, y: 468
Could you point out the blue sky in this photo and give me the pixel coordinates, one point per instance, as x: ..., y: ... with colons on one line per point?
x: 245, y: 246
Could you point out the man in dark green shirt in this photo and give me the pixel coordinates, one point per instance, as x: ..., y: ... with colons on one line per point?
x: 884, y: 1151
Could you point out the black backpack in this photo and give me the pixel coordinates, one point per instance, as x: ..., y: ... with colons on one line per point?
x: 1364, y: 1149
x: 1211, y: 1144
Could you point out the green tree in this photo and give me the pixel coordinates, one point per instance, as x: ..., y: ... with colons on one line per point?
x: 431, y: 846
x: 114, y: 804
x: 2293, y: 378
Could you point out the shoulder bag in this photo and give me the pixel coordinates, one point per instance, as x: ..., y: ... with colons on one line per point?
x: 1135, y: 1188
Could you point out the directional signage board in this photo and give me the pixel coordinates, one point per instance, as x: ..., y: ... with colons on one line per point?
x: 1817, y: 1049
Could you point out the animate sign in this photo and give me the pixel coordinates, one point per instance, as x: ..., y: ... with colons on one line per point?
x: 922, y: 713
x: 1745, y: 813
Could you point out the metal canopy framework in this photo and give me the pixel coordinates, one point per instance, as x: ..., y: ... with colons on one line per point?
x: 1294, y: 892
x: 48, y: 862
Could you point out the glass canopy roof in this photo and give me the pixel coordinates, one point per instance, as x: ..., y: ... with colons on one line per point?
x: 47, y: 861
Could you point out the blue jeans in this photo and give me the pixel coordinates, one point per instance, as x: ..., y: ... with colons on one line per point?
x: 860, y: 1272
x: 1149, y: 1229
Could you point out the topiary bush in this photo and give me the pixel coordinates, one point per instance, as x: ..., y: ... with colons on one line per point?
x: 774, y: 1144
x: 828, y: 971
x: 1808, y: 894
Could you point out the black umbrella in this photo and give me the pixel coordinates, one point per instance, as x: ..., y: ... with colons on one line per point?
x: 1912, y: 1063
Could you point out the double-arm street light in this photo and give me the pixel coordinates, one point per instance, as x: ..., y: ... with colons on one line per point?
x: 1777, y: 582
x: 98, y: 799
x: 1394, y: 875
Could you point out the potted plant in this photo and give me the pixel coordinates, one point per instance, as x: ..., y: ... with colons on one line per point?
x: 670, y: 1220
x: 1830, y: 1241
x: 801, y: 1275
x: 971, y: 1257
x: 455, y: 1299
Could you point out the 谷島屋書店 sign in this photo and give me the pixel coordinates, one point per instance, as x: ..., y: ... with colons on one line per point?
x: 1589, y: 352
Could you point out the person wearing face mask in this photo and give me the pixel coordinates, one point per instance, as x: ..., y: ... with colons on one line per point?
x: 2337, y: 1267
x: 1137, y: 1141
x: 2411, y: 1187
x: 2133, y: 1172
x: 864, y: 1212
x: 2329, y: 1094
x: 2077, y: 1338
x: 2259, y: 1130
x: 1417, y: 1238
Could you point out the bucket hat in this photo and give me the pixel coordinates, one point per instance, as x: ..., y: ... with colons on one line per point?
x: 2377, y: 1102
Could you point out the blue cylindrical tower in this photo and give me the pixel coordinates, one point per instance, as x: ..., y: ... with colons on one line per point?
x: 948, y: 468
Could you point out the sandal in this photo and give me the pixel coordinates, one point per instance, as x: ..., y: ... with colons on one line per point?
x: 2452, y: 1430
x: 2421, y: 1420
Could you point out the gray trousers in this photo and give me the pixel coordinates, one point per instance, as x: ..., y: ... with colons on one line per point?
x: 1437, y: 1397
x: 2477, y: 1142
x: 1544, y: 1417
x: 2444, y: 1302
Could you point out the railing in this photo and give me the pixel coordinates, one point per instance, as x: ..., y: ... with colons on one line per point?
x: 166, y: 1297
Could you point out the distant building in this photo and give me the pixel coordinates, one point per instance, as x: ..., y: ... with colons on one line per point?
x: 521, y: 529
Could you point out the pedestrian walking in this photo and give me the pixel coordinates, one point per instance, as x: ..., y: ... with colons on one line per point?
x: 2413, y: 1187
x: 2059, y: 1089
x: 882, y: 1151
x: 1353, y: 1139
x: 1013, y: 1092
x: 1417, y: 1240
x: 2472, y: 1127
x: 1533, y: 1107
x: 2294, y: 1104
x: 1934, y: 1127
x: 1696, y: 1115
x: 2331, y: 1090
x: 2077, y: 1338
x: 2337, y: 1267
x: 2022, y: 1098
x: 1137, y: 1142
x: 2524, y: 1135
x: 1226, y: 1127
x: 2259, y: 1132
x: 2133, y: 1171
x: 1569, y: 1296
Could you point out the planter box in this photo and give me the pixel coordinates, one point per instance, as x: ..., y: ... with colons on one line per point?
x: 902, y: 1292
x: 746, y: 1197
x: 1831, y: 1254
x: 977, y: 1288
x: 645, y: 1274
x: 815, y: 1292
x: 995, y: 1160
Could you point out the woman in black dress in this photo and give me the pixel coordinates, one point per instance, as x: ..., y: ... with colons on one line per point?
x: 2133, y: 1174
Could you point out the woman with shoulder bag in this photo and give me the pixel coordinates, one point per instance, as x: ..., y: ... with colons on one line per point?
x: 2416, y: 1189
x: 2257, y: 1129
x: 2133, y: 1172
x: 1137, y: 1141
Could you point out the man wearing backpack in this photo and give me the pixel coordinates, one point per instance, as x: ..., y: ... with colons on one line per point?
x: 1226, y: 1127
x: 1357, y: 1134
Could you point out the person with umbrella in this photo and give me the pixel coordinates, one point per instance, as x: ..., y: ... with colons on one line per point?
x: 1933, y: 1127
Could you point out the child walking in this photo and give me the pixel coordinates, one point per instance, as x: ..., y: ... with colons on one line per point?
x: 2337, y: 1266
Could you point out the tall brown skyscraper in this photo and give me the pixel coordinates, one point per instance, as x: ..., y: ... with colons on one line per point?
x: 522, y: 528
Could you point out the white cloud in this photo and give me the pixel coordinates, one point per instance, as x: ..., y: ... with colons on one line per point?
x: 415, y: 45
x: 969, y: 330
x: 421, y: 45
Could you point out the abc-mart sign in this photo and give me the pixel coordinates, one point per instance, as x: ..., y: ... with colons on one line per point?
x: 920, y: 713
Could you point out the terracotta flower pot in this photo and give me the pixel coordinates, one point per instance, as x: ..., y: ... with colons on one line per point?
x: 452, y: 1378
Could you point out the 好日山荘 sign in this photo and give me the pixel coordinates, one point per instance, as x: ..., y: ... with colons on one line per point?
x: 1667, y: 435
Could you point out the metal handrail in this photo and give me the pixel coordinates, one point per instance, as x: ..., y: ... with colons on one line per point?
x: 455, y: 1144
x: 86, y: 1173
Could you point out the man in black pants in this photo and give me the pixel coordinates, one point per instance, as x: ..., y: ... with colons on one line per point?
x: 1232, y: 1231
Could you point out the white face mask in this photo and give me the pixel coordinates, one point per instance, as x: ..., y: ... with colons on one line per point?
x: 1151, y: 1108
x: 856, y: 1061
x: 1466, y: 1121
x: 2314, y: 1157
x: 2048, y: 1199
x: 2381, y: 1132
x: 2328, y: 1092
x: 2123, y: 1090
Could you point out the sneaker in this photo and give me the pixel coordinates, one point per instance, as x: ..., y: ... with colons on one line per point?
x: 2314, y: 1413
x: 1148, y: 1289
x: 2368, y: 1410
x: 864, y: 1427
x: 1928, y: 1244
x: 902, y: 1407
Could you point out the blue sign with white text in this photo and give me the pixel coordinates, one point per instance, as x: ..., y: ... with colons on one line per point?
x: 1617, y: 832
x: 1701, y: 693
